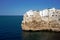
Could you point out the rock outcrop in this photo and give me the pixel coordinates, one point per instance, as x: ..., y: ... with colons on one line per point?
x: 48, y: 19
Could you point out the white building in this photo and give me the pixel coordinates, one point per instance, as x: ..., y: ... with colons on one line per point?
x: 31, y: 15
x: 46, y: 15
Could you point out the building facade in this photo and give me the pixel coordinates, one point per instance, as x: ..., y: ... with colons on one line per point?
x: 46, y: 15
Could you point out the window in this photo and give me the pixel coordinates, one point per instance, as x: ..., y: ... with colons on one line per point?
x: 59, y: 19
x: 52, y: 15
x: 31, y: 15
x: 56, y: 15
x: 26, y: 15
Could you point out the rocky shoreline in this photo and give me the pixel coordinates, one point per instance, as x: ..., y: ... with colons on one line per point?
x: 42, y: 25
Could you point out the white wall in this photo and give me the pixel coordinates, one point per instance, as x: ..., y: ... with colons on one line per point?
x: 30, y: 12
x: 45, y: 14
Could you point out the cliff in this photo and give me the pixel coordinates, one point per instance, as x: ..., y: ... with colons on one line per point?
x: 47, y: 20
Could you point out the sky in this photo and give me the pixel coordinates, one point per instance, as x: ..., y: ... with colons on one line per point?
x: 19, y: 7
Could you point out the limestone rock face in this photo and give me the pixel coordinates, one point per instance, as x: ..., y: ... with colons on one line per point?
x: 48, y: 19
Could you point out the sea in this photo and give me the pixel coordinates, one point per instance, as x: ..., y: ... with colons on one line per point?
x: 10, y: 29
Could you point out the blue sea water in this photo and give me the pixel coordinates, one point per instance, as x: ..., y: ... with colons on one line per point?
x: 10, y: 29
